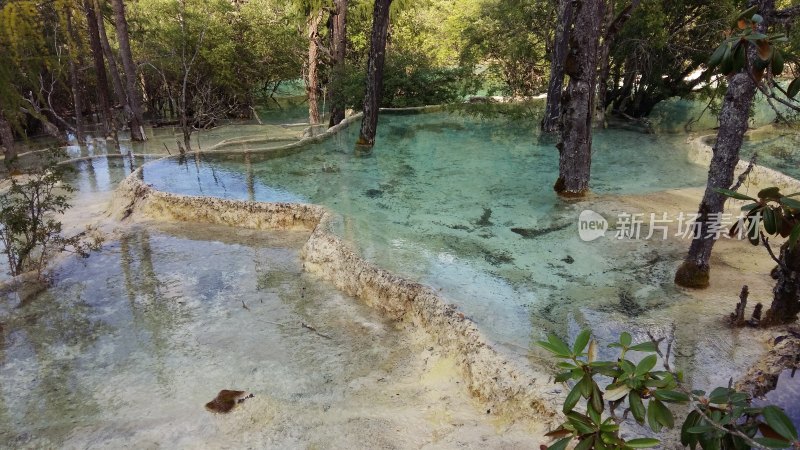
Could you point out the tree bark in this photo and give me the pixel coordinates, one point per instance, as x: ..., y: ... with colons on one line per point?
x: 136, y: 119
x: 733, y: 119
x: 7, y: 140
x: 113, y: 69
x: 103, y: 93
x: 312, y: 77
x: 575, y: 148
x: 786, y: 294
x: 552, y: 110
x: 338, y: 52
x: 377, y: 58
x: 74, y: 80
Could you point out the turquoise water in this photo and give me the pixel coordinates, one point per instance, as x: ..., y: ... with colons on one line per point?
x: 462, y: 204
x: 778, y: 150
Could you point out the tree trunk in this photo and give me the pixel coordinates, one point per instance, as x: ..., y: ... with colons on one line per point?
x: 7, y: 140
x: 312, y: 81
x: 613, y: 27
x: 552, y: 111
x: 338, y: 52
x: 103, y: 94
x: 377, y: 57
x: 575, y: 148
x: 136, y: 119
x: 786, y: 294
x: 733, y: 118
x: 74, y: 81
x: 116, y: 79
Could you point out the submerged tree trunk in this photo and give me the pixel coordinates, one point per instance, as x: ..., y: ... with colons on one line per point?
x: 7, y: 140
x: 103, y: 94
x: 136, y: 119
x: 733, y: 118
x: 338, y: 52
x: 552, y: 110
x: 575, y: 148
x: 312, y: 77
x: 74, y: 80
x: 377, y: 58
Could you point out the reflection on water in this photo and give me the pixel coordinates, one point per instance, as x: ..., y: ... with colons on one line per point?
x: 785, y: 395
x: 127, y: 347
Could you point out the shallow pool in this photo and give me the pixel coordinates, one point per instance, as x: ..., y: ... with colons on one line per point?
x: 127, y: 346
x: 460, y: 203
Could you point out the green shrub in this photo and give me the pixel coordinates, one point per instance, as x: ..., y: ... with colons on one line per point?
x: 722, y: 419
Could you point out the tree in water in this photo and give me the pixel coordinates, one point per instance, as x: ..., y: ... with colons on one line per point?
x: 575, y: 148
x: 314, y: 17
x: 338, y: 53
x: 136, y: 119
x: 96, y: 47
x: 747, y: 59
x: 375, y: 65
x: 552, y: 111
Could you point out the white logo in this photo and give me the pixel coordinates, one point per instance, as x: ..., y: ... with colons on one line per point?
x: 591, y: 225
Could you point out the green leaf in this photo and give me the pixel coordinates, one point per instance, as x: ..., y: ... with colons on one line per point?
x: 773, y: 443
x: 769, y: 221
x: 563, y: 376
x: 770, y: 192
x: 646, y: 365
x: 740, y: 58
x: 719, y: 395
x: 627, y: 366
x: 662, y: 413
x: 778, y: 421
x: 757, y: 19
x: 790, y: 202
x: 671, y: 396
x: 581, y: 340
x: 648, y: 346
x: 642, y: 443
x: 581, y: 423
x: 585, y: 386
x: 652, y: 419
x: 794, y: 236
x: 636, y: 405
x: 625, y: 339
x: 726, y: 66
x: 691, y: 420
x: 701, y: 429
x: 733, y: 194
x: 716, y: 57
x: 748, y: 13
x: 777, y: 62
x: 585, y: 444
x: 556, y: 346
x: 597, y: 400
x: 560, y: 445
x: 794, y: 88
x: 572, y: 398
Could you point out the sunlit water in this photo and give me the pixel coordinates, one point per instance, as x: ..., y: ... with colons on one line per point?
x: 439, y: 200
x: 128, y: 345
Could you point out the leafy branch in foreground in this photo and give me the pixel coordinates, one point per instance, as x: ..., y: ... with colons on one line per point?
x: 777, y: 215
x: 722, y: 419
